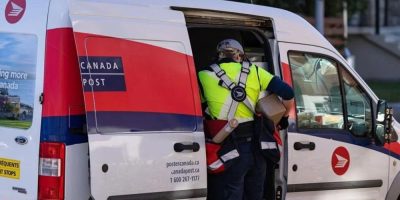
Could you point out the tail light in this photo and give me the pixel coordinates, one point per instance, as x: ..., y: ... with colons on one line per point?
x: 51, y: 171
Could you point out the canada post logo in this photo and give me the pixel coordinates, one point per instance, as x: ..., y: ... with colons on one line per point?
x: 102, y: 73
x: 14, y: 11
x: 340, y: 160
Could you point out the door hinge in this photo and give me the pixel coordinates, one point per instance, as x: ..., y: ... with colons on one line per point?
x: 41, y: 98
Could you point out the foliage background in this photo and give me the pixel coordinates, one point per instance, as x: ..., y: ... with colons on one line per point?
x: 333, y: 8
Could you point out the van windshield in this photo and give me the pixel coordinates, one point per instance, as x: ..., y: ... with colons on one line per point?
x: 17, y: 79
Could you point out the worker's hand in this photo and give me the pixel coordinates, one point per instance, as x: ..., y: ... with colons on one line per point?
x: 284, y: 123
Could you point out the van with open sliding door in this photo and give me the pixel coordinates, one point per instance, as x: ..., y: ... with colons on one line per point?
x: 99, y: 100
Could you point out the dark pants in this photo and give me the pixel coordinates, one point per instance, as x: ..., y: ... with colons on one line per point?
x: 244, y: 180
x: 269, y: 183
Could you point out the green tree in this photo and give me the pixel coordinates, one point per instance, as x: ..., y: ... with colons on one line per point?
x: 333, y: 8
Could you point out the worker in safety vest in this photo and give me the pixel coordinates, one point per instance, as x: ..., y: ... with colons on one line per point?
x: 221, y: 85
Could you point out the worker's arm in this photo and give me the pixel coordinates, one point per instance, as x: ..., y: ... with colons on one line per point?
x: 283, y: 90
x: 275, y: 85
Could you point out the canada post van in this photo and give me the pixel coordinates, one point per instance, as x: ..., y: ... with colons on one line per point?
x: 99, y: 100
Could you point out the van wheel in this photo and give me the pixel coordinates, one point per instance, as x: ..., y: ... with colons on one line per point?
x: 398, y: 198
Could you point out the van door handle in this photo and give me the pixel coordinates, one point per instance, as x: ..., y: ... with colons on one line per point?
x: 298, y: 146
x: 179, y: 147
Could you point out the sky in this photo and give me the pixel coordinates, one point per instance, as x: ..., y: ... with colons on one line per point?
x: 18, y: 54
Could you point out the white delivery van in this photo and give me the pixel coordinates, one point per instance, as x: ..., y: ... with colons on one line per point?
x: 99, y: 100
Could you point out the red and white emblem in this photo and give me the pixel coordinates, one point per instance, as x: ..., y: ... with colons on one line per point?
x: 340, y: 161
x: 15, y: 9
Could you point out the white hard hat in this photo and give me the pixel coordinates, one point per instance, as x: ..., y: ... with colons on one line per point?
x: 229, y: 44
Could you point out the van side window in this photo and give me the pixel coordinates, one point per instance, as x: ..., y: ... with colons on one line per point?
x: 358, y: 104
x: 317, y: 91
x: 17, y: 79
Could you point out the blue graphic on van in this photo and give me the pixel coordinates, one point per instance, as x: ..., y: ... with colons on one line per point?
x: 17, y: 79
x: 102, y: 73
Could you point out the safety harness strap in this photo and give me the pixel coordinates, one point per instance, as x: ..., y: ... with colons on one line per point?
x: 222, y: 75
x: 243, y: 74
x: 237, y: 91
x: 227, y: 83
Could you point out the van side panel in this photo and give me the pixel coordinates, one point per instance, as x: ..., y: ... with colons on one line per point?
x: 22, y: 38
x: 77, y: 172
x: 141, y: 100
x: 63, y: 108
x: 367, y: 174
x: 62, y: 80
x: 394, y: 171
x: 394, y: 192
x: 146, y: 85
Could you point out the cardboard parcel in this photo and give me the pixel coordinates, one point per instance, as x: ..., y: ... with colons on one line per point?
x: 271, y: 107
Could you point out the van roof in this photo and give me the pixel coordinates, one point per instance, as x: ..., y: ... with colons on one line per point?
x: 289, y: 27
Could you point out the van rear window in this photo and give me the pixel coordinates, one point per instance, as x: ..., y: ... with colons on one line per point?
x: 17, y: 79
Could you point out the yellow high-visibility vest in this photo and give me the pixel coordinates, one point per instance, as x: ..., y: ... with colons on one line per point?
x: 218, y: 98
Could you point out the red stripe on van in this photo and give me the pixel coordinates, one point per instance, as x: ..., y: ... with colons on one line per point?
x: 287, y: 77
x: 157, y: 79
x: 62, y: 84
x: 393, y: 147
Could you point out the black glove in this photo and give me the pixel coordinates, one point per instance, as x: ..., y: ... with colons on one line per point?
x: 284, y: 123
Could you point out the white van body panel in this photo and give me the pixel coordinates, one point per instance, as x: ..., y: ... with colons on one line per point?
x: 137, y: 164
x: 58, y: 15
x: 394, y: 170
x: 77, y: 155
x: 394, y: 162
x: 151, y: 172
x: 77, y: 172
x: 300, y: 30
x: 353, y: 194
x: 367, y: 163
x: 153, y: 22
x: 316, y: 167
x: 24, y: 187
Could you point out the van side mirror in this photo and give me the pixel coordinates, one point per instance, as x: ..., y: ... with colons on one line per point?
x: 384, y: 132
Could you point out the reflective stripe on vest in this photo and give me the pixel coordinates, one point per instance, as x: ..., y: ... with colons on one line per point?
x: 268, y: 145
x: 224, y: 158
